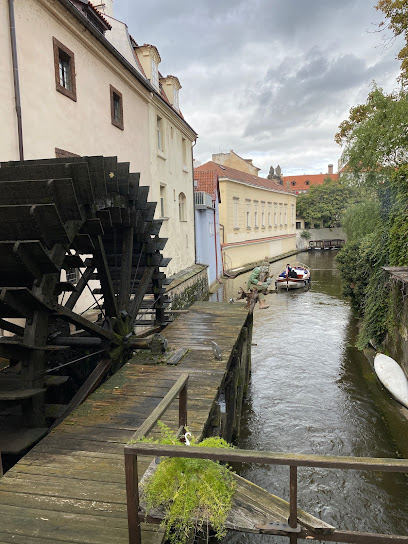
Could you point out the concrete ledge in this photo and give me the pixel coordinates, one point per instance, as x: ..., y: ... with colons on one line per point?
x: 237, y: 271
x: 188, y: 286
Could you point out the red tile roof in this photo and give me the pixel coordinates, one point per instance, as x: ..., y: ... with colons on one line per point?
x: 100, y: 15
x: 207, y: 181
x: 313, y: 179
x: 237, y: 175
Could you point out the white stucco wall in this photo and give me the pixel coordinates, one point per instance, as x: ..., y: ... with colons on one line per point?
x: 51, y: 119
x: 8, y: 132
x: 171, y: 171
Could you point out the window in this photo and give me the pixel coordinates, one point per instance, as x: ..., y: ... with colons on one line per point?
x: 159, y: 133
x: 298, y: 225
x: 182, y: 207
x: 280, y: 214
x: 307, y: 182
x: 293, y: 214
x: 184, y: 146
x: 275, y: 215
x: 64, y: 65
x: 72, y: 275
x: 176, y: 99
x: 256, y: 215
x: 162, y: 201
x: 116, y: 108
x: 155, y: 74
x: 211, y: 228
x: 269, y: 215
x: 248, y: 214
x: 286, y: 214
x: 293, y: 183
x: 262, y: 214
x: 235, y: 211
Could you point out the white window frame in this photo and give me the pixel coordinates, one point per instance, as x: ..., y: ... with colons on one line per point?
x: 235, y: 207
x: 256, y: 214
x: 160, y: 145
x: 263, y: 214
x: 182, y: 207
x: 248, y: 214
x: 275, y: 214
x: 155, y: 74
x: 163, y: 203
x: 269, y: 214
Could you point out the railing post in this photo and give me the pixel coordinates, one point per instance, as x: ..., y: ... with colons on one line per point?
x: 132, y: 497
x: 183, y: 406
x: 293, y: 502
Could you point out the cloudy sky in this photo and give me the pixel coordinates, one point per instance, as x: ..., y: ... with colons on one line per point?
x: 270, y: 79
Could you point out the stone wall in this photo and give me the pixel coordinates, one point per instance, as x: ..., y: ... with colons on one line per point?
x: 396, y: 345
x: 188, y: 286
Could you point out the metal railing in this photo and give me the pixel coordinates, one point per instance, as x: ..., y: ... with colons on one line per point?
x: 202, y: 199
x: 293, y: 532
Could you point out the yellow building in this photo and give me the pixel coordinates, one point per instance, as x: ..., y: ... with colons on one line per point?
x: 257, y: 215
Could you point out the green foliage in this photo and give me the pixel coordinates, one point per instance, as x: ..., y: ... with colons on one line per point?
x: 324, y: 204
x: 305, y: 234
x: 361, y: 218
x: 376, y: 136
x: 195, y: 493
x: 396, y: 13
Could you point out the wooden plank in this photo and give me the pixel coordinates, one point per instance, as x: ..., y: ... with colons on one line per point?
x: 14, y: 441
x: 89, y: 385
x: 99, y: 258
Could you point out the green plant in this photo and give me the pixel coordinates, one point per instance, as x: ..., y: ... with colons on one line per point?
x: 195, y: 493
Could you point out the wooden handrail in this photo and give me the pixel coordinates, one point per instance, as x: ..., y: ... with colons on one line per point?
x: 271, y: 458
x: 292, y: 460
x: 131, y: 473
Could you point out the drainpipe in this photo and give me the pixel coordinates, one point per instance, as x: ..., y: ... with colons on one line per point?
x: 192, y: 171
x: 215, y: 243
x: 16, y: 79
x: 223, y: 240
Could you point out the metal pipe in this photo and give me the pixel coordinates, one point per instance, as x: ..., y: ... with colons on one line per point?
x: 13, y: 42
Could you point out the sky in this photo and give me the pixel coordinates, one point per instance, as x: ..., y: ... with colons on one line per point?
x: 269, y: 79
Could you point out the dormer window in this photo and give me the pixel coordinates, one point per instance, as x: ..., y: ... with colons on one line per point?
x: 176, y: 98
x: 307, y: 182
x: 155, y: 74
x: 293, y: 183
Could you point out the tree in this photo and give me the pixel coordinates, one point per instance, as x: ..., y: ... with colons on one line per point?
x: 396, y: 13
x: 323, y: 204
x: 376, y: 136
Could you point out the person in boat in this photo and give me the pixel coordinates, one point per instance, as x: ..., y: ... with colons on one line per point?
x: 289, y: 272
x: 254, y: 281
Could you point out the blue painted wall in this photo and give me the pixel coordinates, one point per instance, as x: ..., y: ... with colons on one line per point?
x: 206, y: 241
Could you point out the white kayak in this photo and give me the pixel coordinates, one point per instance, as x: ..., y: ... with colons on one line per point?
x: 392, y: 377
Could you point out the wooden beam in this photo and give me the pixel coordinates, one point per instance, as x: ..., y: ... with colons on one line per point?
x: 144, y: 282
x: 126, y: 269
x: 82, y: 283
x: 82, y: 323
x: 101, y: 263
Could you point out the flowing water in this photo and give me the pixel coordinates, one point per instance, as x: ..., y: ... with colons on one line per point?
x: 309, y: 393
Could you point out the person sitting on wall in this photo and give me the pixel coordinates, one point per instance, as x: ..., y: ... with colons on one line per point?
x: 261, y: 286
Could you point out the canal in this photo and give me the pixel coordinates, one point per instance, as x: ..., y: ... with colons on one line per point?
x: 311, y: 392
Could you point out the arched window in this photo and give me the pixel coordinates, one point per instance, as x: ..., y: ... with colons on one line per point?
x: 182, y: 207
x: 293, y: 183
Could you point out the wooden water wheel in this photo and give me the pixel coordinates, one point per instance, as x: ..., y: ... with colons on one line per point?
x: 86, y: 215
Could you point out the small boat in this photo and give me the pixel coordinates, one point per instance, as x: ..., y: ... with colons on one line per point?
x: 298, y: 276
x: 392, y: 377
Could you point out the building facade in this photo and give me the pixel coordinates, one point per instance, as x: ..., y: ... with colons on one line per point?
x: 85, y: 87
x: 208, y: 243
x: 257, y: 215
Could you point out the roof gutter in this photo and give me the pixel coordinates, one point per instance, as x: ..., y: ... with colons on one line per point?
x: 17, y: 100
x: 106, y: 43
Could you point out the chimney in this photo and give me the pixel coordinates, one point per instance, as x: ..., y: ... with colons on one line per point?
x: 330, y: 169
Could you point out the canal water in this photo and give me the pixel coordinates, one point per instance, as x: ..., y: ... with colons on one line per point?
x: 309, y: 393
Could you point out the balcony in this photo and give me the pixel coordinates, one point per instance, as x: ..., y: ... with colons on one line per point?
x: 202, y: 200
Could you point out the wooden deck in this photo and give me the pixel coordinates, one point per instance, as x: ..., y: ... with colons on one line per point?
x: 70, y: 488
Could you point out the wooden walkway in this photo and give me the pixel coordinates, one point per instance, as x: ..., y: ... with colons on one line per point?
x: 70, y: 488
